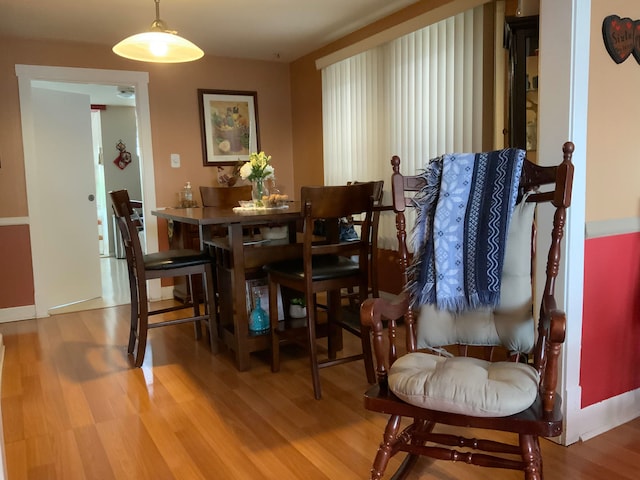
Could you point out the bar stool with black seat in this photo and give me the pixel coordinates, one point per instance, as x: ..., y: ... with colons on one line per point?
x: 171, y: 263
x: 326, y: 266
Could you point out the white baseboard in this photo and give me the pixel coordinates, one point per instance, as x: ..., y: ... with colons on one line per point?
x: 15, y: 314
x: 608, y: 414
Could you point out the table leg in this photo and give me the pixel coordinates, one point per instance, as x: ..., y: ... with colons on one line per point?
x: 238, y: 282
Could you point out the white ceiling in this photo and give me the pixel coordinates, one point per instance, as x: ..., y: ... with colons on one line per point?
x: 281, y: 30
x: 273, y: 30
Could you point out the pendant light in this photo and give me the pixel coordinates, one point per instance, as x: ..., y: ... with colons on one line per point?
x: 159, y: 45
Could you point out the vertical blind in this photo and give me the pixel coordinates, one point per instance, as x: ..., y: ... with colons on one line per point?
x: 417, y: 97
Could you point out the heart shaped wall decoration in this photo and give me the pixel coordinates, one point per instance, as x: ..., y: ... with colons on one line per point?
x: 618, y: 34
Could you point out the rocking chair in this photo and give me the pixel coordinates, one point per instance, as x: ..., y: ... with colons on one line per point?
x: 513, y: 387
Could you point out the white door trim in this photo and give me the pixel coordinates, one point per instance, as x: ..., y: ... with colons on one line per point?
x: 140, y: 80
x: 565, y: 30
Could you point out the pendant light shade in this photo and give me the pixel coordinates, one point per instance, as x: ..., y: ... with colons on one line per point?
x: 159, y: 45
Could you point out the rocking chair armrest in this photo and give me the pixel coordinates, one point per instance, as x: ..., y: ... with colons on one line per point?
x: 556, y: 324
x: 372, y: 313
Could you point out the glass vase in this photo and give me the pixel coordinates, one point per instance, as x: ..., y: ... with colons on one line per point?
x: 259, y: 319
x: 259, y: 191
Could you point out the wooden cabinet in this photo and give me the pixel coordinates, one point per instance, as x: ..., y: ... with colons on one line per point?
x: 521, y: 39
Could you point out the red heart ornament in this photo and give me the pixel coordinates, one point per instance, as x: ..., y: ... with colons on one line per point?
x: 618, y: 34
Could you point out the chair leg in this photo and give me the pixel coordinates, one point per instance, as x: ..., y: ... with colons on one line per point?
x: 351, y: 298
x: 385, y: 452
x: 389, y: 446
x: 210, y: 308
x: 135, y: 314
x: 334, y: 309
x: 143, y: 326
x: 195, y: 302
x: 531, y: 456
x: 216, y: 290
x: 313, y: 354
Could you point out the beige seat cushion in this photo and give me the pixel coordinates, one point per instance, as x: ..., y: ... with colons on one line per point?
x: 464, y: 385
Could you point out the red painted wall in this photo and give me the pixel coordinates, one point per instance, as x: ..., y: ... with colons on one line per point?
x: 16, y: 267
x: 610, y: 363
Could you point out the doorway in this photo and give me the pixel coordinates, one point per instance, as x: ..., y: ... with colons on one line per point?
x: 28, y: 74
x: 112, y: 123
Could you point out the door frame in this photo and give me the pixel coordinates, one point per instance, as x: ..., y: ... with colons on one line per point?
x: 26, y: 74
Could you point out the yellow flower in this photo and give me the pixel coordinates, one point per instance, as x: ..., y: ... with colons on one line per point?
x: 258, y: 167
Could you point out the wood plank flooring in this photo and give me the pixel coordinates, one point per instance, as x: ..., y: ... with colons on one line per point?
x: 74, y: 409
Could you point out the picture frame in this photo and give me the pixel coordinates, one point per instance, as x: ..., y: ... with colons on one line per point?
x: 229, y: 126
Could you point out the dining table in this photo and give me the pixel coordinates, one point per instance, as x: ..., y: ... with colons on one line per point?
x: 239, y: 256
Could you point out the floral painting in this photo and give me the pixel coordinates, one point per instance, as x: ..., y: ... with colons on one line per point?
x: 229, y: 122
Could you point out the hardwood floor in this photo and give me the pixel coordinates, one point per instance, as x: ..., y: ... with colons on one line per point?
x: 74, y: 409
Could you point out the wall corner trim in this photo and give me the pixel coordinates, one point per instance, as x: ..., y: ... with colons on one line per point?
x: 607, y: 228
x: 12, y: 221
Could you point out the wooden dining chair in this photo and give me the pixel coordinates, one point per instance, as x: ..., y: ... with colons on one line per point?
x: 374, y: 291
x: 171, y: 263
x: 224, y: 196
x: 504, y: 376
x: 325, y: 266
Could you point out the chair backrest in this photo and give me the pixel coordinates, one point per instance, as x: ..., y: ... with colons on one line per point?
x: 123, y: 209
x: 332, y: 203
x: 378, y: 191
x: 511, y: 323
x: 224, y: 196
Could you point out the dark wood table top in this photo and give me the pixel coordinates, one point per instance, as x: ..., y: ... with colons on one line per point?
x: 226, y: 215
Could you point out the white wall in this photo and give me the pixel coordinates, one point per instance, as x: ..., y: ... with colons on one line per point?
x: 119, y: 123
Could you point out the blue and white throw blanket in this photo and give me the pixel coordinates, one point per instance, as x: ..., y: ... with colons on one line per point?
x: 463, y: 216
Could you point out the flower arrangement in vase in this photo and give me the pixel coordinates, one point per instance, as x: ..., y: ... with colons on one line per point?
x: 257, y: 170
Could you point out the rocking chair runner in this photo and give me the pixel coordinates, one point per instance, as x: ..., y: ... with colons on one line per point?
x: 440, y: 394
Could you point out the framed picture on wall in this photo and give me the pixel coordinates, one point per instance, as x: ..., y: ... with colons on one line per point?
x: 229, y: 125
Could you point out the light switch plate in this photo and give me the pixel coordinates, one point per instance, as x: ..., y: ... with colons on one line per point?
x: 175, y: 160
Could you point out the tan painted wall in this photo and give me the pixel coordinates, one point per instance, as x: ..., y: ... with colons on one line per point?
x: 175, y: 128
x: 174, y: 112
x: 613, y: 144
x: 295, y: 139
